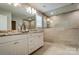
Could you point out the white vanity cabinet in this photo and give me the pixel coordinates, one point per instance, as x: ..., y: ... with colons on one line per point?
x: 16, y: 46
x: 21, y: 44
x: 35, y: 41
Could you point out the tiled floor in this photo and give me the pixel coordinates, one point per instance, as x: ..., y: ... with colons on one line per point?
x: 56, y: 49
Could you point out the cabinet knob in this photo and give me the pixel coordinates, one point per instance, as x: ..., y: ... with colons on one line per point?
x: 16, y: 42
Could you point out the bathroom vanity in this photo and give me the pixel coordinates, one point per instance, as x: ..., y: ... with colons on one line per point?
x: 21, y: 44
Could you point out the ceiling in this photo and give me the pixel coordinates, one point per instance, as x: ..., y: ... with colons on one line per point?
x: 16, y: 11
x: 48, y: 7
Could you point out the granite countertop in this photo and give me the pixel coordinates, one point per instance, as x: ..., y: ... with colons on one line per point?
x: 11, y: 34
x: 18, y: 33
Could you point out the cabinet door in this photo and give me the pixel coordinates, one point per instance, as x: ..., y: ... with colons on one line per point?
x: 40, y: 39
x: 7, y: 48
x: 32, y: 46
x: 35, y: 41
x: 31, y: 43
x: 21, y: 47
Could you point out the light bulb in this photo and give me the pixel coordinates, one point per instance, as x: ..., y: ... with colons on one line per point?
x: 48, y: 19
x: 15, y: 4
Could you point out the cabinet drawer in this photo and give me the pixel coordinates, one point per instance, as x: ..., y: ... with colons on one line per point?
x: 12, y: 38
x: 8, y: 43
x: 35, y: 41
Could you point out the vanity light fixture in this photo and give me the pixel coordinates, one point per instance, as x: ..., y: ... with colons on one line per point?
x: 15, y: 4
x: 28, y: 10
x: 33, y: 11
x: 48, y: 19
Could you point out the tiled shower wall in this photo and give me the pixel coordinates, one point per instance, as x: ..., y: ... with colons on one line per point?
x: 64, y: 28
x: 69, y: 20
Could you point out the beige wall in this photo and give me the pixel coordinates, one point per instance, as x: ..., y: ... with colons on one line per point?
x: 64, y: 29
